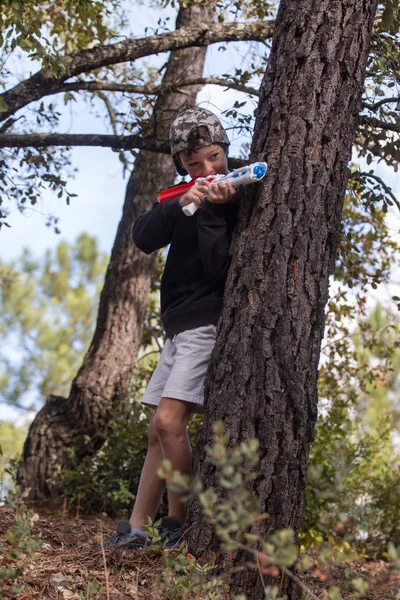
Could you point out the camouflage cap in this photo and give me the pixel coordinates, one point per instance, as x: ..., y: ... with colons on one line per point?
x: 184, y: 124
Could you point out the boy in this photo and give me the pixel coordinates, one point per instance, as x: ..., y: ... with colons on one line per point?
x: 192, y: 289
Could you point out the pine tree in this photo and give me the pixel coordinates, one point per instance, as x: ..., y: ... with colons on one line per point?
x: 47, y: 308
x: 283, y: 255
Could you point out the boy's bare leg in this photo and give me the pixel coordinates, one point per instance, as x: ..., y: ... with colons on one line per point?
x: 151, y: 487
x: 170, y: 423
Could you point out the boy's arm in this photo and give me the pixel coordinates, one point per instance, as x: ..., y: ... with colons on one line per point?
x: 214, y: 228
x: 154, y: 229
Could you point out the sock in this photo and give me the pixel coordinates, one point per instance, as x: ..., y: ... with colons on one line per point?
x: 138, y: 531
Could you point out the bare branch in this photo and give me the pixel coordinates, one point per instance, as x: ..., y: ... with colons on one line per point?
x: 118, y: 142
x: 374, y: 122
x: 155, y: 335
x: 110, y: 110
x: 113, y: 120
x: 309, y: 593
x: 9, y: 123
x: 46, y: 82
x: 360, y: 175
x: 380, y: 103
x: 16, y: 405
x: 91, y: 86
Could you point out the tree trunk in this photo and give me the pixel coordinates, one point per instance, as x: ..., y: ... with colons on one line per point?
x: 282, y: 255
x: 63, y: 423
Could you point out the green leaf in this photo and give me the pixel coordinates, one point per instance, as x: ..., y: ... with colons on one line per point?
x: 93, y: 587
x: 359, y: 585
x: 334, y: 593
x: 305, y: 564
x: 3, y: 105
x: 394, y: 552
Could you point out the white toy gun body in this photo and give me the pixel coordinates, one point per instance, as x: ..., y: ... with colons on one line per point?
x: 243, y: 176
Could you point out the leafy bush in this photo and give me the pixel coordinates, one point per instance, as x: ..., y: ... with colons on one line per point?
x: 186, y: 578
x: 354, y: 468
x: 182, y: 576
x: 108, y: 480
x: 11, y: 444
x: 354, y: 485
x: 21, y: 545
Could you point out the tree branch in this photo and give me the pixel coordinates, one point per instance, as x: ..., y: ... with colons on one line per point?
x: 110, y: 110
x: 92, y: 86
x: 380, y: 103
x: 16, y: 405
x: 374, y: 122
x: 113, y: 120
x: 360, y: 175
x: 117, y: 142
x: 9, y: 123
x: 46, y: 82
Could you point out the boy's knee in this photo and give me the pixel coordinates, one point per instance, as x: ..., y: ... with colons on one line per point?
x: 153, y: 434
x: 166, y: 424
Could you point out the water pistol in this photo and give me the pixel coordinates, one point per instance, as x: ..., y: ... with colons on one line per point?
x: 250, y: 174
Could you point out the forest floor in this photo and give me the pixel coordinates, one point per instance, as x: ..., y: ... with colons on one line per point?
x: 71, y: 557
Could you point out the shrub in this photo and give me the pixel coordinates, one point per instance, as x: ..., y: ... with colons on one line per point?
x: 354, y: 485
x: 107, y: 481
x: 20, y: 548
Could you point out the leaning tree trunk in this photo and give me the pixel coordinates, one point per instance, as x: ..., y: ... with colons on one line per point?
x: 282, y: 256
x: 103, y: 379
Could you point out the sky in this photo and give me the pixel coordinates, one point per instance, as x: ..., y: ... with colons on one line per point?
x: 99, y: 182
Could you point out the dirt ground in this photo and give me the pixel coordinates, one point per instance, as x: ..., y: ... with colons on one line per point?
x: 71, y: 557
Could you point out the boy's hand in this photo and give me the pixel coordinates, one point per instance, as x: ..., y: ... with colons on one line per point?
x: 220, y: 192
x: 196, y: 194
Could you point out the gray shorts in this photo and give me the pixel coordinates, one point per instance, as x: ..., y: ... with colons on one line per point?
x: 182, y: 368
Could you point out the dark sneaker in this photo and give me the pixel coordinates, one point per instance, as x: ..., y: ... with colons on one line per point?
x: 124, y: 539
x: 170, y: 532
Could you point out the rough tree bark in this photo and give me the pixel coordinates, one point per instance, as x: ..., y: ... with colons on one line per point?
x: 63, y: 423
x: 282, y: 256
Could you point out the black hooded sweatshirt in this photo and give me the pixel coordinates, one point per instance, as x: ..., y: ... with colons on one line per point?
x: 192, y: 285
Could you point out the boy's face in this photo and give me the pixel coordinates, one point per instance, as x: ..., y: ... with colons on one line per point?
x: 210, y: 160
